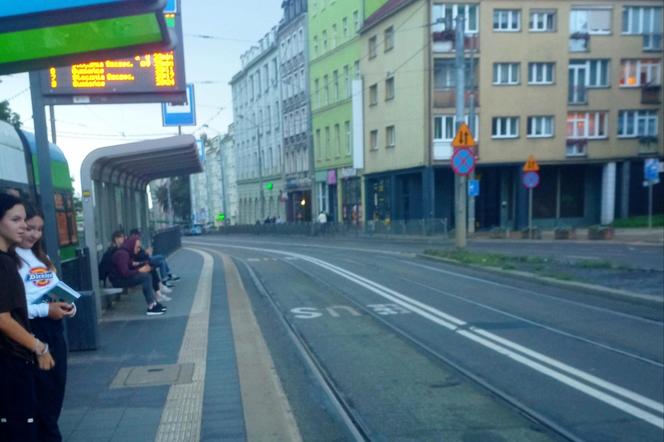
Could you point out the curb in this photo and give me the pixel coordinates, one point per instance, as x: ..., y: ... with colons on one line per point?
x: 590, y: 288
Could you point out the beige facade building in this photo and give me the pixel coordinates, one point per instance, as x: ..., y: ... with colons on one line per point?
x: 576, y: 84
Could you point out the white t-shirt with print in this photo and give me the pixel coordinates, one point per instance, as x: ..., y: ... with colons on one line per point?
x: 38, y: 279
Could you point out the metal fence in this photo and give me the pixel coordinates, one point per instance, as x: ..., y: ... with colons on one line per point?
x: 418, y: 227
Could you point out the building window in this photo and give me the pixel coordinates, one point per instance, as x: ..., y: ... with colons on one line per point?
x: 444, y: 14
x: 540, y: 73
x: 445, y: 73
x: 344, y: 24
x: 317, y: 102
x: 372, y: 47
x: 590, y: 21
x: 505, y: 127
x: 335, y: 80
x: 443, y: 128
x: 389, y: 38
x: 356, y: 21
x: 540, y: 127
x: 542, y: 21
x: 334, y: 36
x: 315, y: 45
x: 327, y: 143
x: 347, y: 83
x: 507, y: 20
x: 390, y: 136
x: 586, y: 125
x: 373, y: 95
x: 319, y: 147
x: 349, y: 141
x: 644, y: 72
x: 373, y: 140
x: 326, y: 91
x: 337, y: 140
x: 590, y: 73
x: 506, y: 73
x: 324, y: 40
x: 389, y: 89
x: 637, y: 123
x: 646, y: 21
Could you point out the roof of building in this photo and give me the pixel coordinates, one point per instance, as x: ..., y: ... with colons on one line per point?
x: 389, y: 8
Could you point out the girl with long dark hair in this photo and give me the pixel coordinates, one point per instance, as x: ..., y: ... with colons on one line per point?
x: 39, y: 277
x: 19, y: 349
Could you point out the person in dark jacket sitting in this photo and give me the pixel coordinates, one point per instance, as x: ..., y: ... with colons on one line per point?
x: 123, y: 275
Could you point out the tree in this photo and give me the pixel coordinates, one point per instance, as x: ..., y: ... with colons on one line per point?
x: 7, y: 115
x: 179, y: 196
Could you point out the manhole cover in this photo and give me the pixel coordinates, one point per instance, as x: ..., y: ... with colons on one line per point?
x: 153, y: 375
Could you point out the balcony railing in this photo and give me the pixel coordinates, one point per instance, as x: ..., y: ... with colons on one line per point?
x: 579, y: 42
x: 652, y: 42
x: 576, y: 147
x: 447, y: 98
x: 444, y: 41
x: 650, y: 94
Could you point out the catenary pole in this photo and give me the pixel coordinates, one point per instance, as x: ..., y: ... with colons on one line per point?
x: 460, y: 180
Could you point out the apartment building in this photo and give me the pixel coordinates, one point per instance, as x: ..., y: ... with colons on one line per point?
x: 257, y: 136
x: 293, y: 62
x: 229, y: 177
x: 576, y: 84
x: 334, y: 58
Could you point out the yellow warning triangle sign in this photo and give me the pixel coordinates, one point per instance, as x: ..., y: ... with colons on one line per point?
x: 463, y: 138
x: 531, y: 165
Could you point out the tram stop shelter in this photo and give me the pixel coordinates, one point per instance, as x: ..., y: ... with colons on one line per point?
x: 114, y: 183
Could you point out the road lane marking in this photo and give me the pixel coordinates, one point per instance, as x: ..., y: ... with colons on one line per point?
x: 461, y: 327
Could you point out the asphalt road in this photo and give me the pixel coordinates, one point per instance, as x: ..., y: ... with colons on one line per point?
x: 426, y: 351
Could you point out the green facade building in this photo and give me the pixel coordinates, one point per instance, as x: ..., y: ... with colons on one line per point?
x: 334, y: 54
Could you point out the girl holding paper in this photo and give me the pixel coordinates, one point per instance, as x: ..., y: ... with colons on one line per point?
x: 19, y: 349
x: 39, y: 277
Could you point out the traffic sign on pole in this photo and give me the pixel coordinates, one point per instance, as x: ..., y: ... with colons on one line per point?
x: 530, y: 180
x: 463, y: 161
x: 473, y: 188
x: 463, y: 139
x: 531, y: 165
x: 651, y: 169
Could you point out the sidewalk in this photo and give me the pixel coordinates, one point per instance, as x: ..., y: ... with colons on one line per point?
x: 166, y: 378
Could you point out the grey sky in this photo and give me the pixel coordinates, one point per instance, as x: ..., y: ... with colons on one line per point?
x: 238, y: 24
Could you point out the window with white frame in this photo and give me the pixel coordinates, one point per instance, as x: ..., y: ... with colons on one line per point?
x: 389, y: 89
x: 390, y: 136
x: 646, y: 21
x: 637, y: 123
x: 587, y: 125
x: 389, y: 38
x: 505, y: 127
x: 540, y: 73
x: 540, y: 126
x: 373, y: 94
x: 372, y: 47
x: 507, y: 20
x: 443, y: 16
x: 506, y: 73
x: 444, y: 127
x: 349, y: 141
x: 594, y: 73
x: 542, y: 21
x: 643, y: 72
x: 373, y: 140
x: 595, y: 21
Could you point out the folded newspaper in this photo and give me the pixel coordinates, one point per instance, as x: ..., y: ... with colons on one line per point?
x: 61, y: 292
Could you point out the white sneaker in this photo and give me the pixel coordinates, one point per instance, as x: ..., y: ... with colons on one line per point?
x: 163, y: 298
x: 164, y: 289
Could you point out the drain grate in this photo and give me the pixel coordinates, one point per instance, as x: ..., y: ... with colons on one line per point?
x: 153, y: 375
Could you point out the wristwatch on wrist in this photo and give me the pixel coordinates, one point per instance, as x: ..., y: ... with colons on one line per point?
x: 44, y: 350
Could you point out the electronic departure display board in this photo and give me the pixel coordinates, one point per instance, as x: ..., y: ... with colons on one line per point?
x: 153, y: 77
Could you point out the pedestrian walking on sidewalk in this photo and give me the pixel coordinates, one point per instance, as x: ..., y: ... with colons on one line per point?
x: 20, y: 351
x: 39, y: 277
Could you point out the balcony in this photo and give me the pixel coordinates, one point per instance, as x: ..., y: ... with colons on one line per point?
x: 579, y: 42
x: 577, y: 94
x: 648, y: 144
x: 651, y: 93
x: 576, y: 147
x: 444, y: 41
x: 652, y: 42
x: 447, y: 98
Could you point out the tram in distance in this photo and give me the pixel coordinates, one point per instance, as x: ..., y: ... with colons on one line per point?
x: 19, y: 170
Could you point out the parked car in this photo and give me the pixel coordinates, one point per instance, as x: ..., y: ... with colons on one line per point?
x: 194, y: 230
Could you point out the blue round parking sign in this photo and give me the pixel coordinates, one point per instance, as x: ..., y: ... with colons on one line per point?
x: 530, y: 179
x: 463, y: 161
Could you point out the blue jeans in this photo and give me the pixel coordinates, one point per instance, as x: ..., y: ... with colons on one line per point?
x: 142, y: 279
x: 160, y: 261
